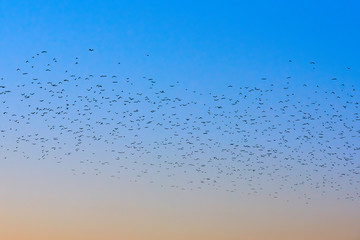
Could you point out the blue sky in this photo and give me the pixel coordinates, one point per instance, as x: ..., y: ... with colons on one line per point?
x: 191, y: 39
x: 202, y: 46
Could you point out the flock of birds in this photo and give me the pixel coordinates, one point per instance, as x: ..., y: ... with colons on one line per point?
x: 271, y: 139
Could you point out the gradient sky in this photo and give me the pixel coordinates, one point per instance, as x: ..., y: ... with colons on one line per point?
x: 204, y: 45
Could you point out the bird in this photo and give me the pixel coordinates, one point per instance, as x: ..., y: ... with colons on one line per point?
x: 239, y: 137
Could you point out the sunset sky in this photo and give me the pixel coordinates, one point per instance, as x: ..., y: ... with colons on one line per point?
x: 203, y: 46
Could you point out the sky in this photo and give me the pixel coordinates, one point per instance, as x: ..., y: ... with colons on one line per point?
x: 202, y: 46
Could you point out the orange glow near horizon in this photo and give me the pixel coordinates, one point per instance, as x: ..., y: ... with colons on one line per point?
x: 81, y: 208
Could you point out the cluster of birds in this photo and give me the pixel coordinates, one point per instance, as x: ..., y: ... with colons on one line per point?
x: 257, y: 140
